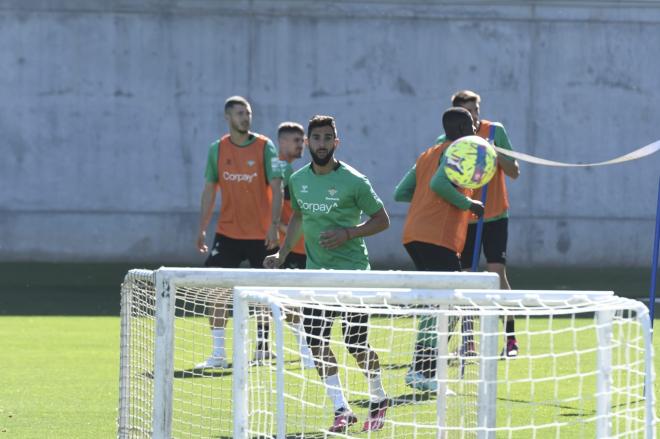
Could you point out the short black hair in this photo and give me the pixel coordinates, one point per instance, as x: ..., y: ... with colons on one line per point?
x: 321, y: 121
x: 236, y: 100
x: 457, y: 122
x: 290, y: 127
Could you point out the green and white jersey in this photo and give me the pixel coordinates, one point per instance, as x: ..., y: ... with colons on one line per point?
x: 330, y: 201
x: 287, y: 172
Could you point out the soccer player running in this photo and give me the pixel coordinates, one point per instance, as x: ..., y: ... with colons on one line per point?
x: 245, y: 168
x: 328, y: 198
x: 496, y: 216
x: 290, y: 139
x: 434, y: 231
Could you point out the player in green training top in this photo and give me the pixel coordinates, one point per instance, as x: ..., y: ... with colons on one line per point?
x: 328, y: 198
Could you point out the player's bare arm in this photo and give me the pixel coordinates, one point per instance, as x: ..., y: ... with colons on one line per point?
x: 293, y: 234
x: 206, y: 212
x: 273, y: 236
x: 510, y: 167
x: 376, y: 223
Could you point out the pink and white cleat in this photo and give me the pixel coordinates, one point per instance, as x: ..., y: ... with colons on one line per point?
x: 344, y: 418
x: 511, y: 350
x: 376, y: 419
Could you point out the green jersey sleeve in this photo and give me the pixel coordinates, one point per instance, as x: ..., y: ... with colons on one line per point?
x: 366, y: 198
x: 272, y: 163
x: 502, y: 139
x: 292, y: 195
x: 405, y: 190
x: 211, y: 173
x: 441, y: 185
x: 286, y: 172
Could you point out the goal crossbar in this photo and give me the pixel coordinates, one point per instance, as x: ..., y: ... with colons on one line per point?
x: 458, y: 296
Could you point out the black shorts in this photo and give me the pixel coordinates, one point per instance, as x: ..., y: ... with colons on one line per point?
x: 229, y: 252
x: 295, y: 260
x: 431, y: 257
x: 318, y: 326
x: 494, y: 239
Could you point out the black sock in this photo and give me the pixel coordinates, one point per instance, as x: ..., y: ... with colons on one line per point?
x: 510, y: 328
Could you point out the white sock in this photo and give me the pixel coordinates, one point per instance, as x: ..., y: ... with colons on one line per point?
x: 333, y: 387
x: 218, y: 342
x: 299, y: 332
x: 376, y: 390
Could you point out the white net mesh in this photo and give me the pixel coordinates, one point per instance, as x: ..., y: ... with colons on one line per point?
x: 408, y: 371
x: 138, y: 306
x: 552, y: 389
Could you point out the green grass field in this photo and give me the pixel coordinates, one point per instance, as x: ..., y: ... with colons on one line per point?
x: 59, y: 368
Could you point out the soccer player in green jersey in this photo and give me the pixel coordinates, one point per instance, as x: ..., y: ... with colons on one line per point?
x: 328, y: 198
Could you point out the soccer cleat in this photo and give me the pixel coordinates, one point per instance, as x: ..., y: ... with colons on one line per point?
x: 376, y: 419
x: 213, y: 363
x: 511, y: 350
x: 344, y: 418
x: 260, y: 357
x: 418, y: 381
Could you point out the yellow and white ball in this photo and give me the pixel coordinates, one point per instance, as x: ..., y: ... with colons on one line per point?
x: 470, y: 162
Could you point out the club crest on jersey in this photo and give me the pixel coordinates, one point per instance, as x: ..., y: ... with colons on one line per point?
x: 332, y: 192
x: 251, y: 162
x: 304, y: 189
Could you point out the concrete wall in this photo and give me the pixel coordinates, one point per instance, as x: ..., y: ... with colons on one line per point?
x: 107, y: 109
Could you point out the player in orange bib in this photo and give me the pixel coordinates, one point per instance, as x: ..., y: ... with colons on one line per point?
x: 435, y: 230
x: 496, y: 216
x: 245, y: 168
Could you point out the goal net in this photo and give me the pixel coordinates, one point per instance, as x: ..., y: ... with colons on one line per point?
x: 584, y: 368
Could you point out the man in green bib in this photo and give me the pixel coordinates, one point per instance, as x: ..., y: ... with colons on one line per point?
x: 328, y: 198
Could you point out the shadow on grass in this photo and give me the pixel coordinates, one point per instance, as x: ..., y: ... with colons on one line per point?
x: 202, y: 373
x: 576, y: 412
x: 399, y: 400
x: 395, y: 366
x: 211, y: 373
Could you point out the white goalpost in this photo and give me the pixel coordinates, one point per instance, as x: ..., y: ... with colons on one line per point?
x: 585, y: 367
